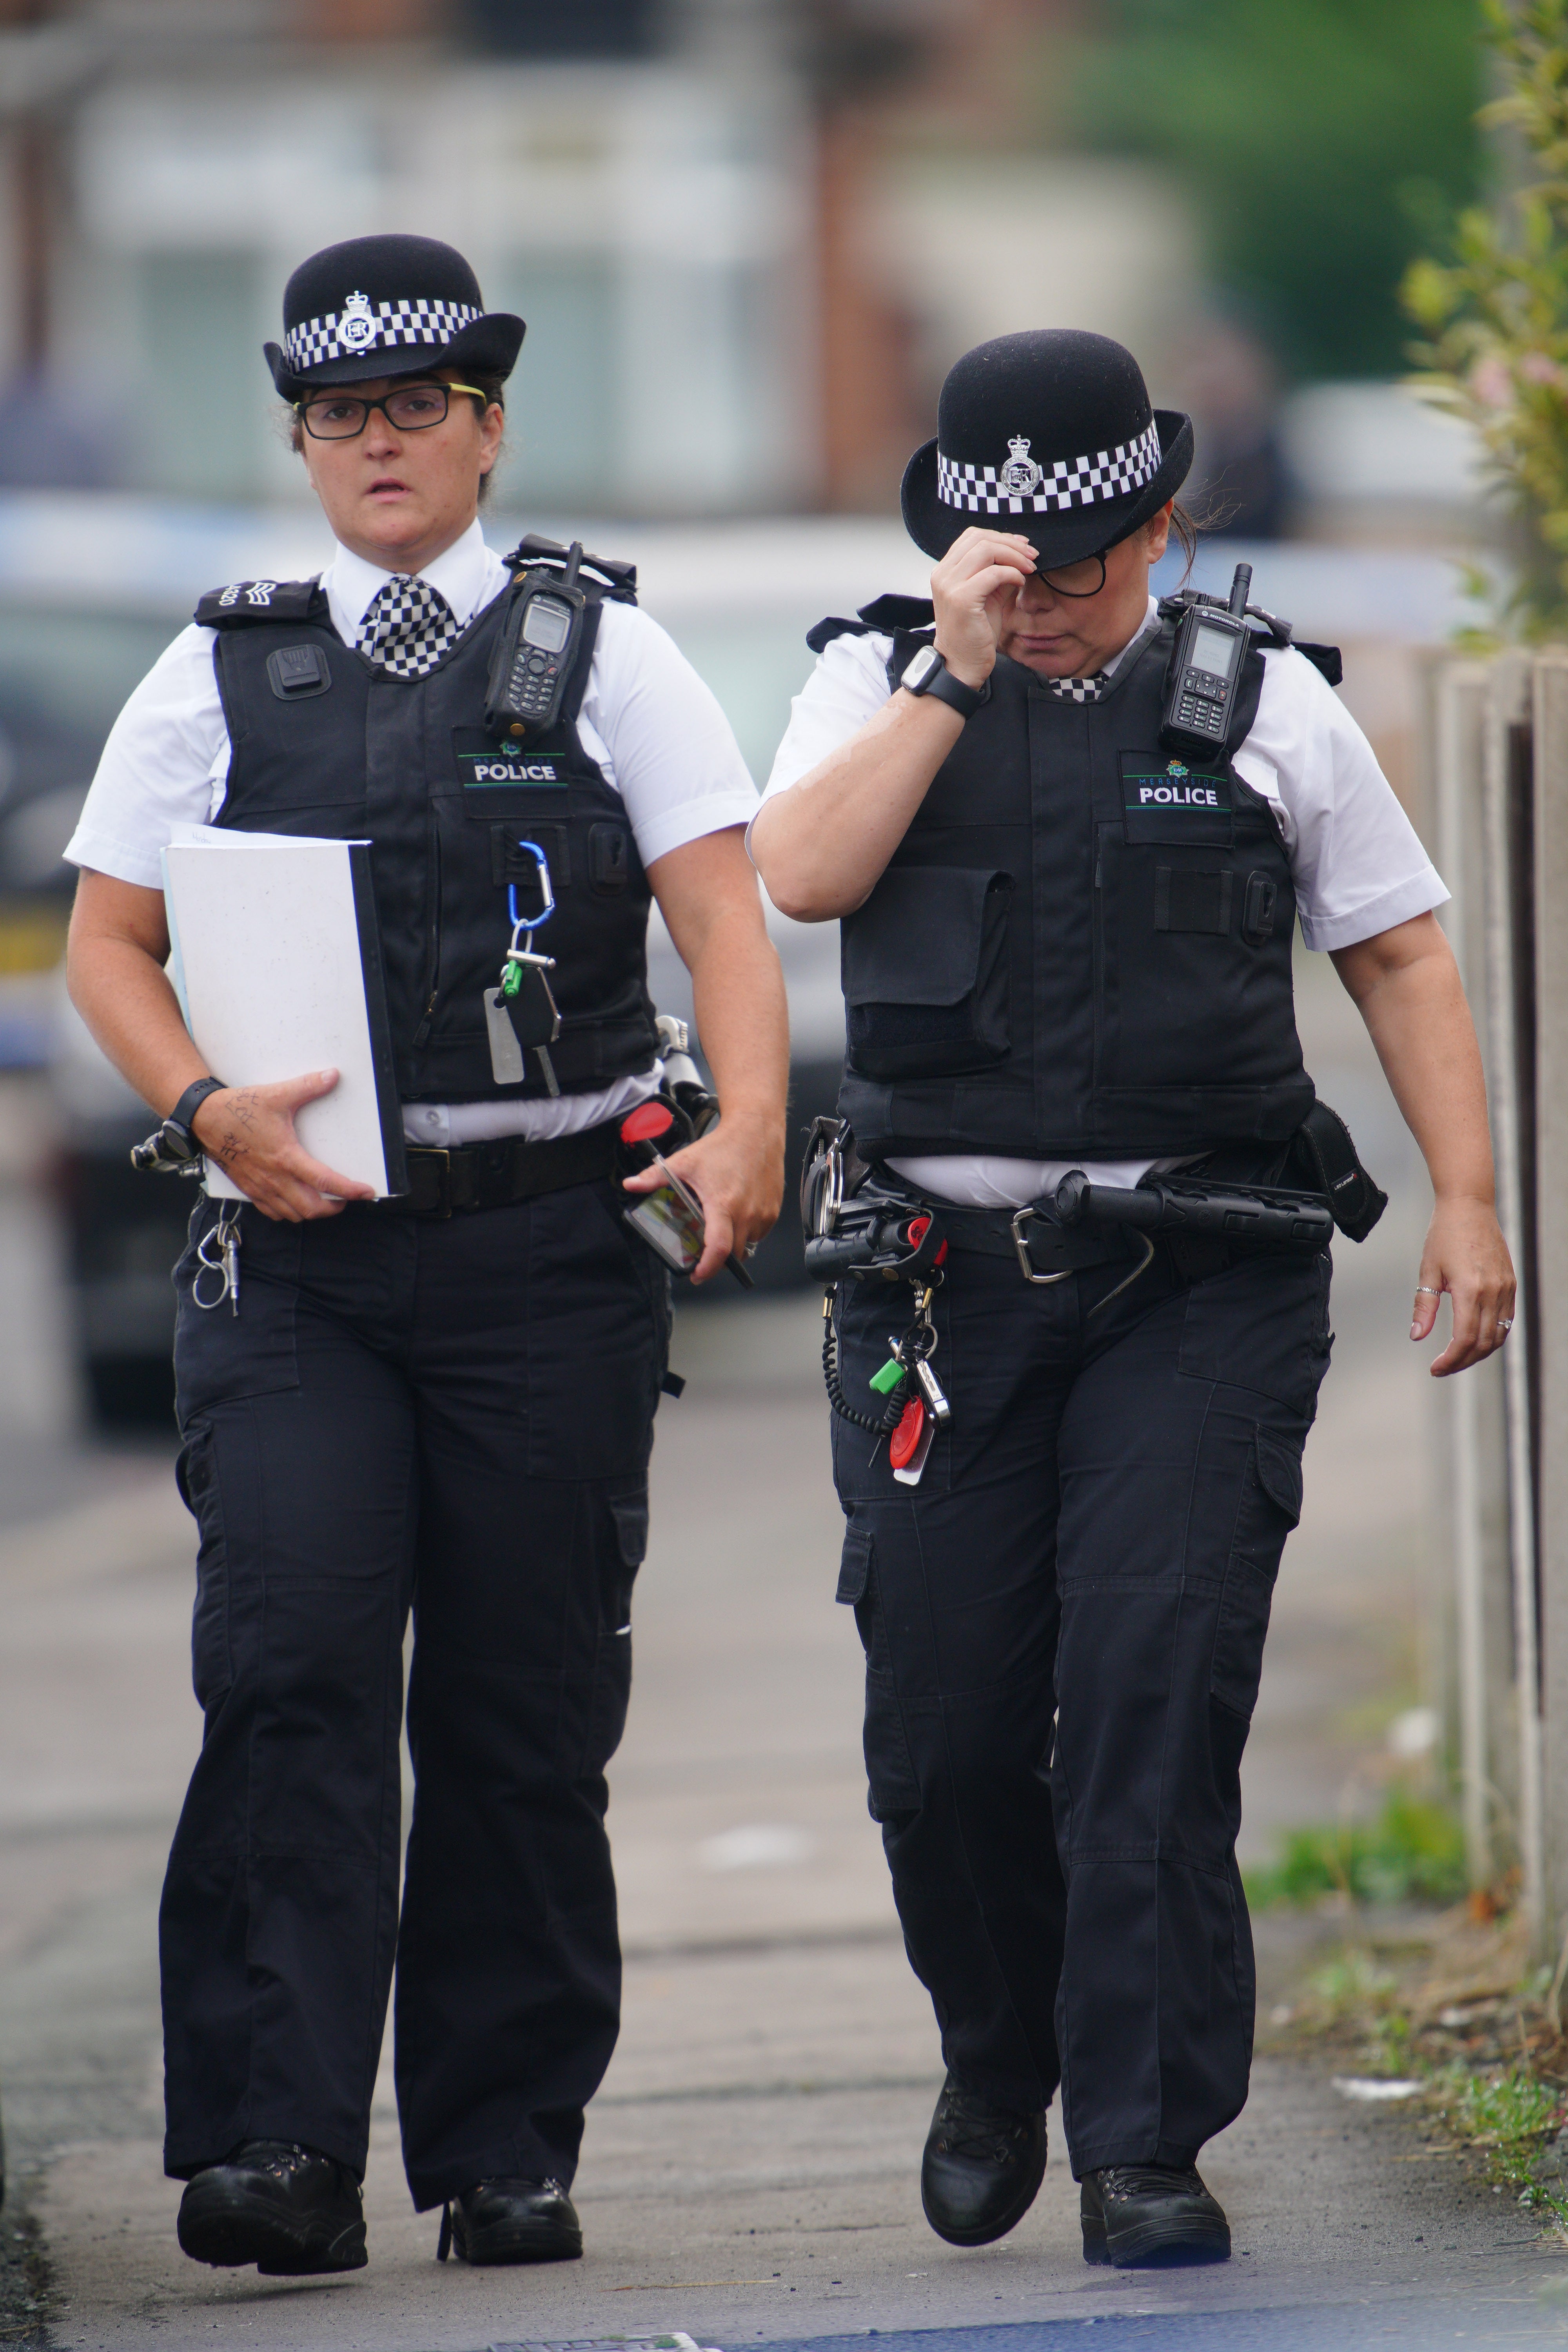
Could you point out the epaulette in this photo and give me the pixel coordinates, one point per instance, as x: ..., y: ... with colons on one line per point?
x: 244, y: 602
x: 1326, y: 660
x: 884, y: 614
x: 613, y: 580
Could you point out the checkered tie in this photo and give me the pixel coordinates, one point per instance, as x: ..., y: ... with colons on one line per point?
x: 407, y: 626
x: 1078, y: 690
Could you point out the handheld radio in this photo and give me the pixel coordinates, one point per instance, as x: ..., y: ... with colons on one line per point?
x: 537, y: 651
x: 1205, y: 671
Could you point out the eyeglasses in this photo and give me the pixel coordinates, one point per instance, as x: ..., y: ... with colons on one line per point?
x: 1084, y: 579
x: 412, y: 408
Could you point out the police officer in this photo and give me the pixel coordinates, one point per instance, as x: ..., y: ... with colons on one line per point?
x: 444, y: 1400
x: 1050, y: 966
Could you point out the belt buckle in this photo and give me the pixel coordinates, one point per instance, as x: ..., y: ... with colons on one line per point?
x: 1024, y: 1217
x: 439, y: 1162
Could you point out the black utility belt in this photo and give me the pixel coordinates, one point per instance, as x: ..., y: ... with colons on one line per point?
x: 500, y: 1173
x: 1042, y: 1246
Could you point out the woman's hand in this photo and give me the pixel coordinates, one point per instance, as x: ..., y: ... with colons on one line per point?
x: 249, y: 1131
x: 736, y: 1170
x: 972, y: 589
x: 1466, y: 1255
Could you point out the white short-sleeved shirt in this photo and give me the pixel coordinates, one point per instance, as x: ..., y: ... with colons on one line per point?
x: 646, y: 719
x: 1356, y: 862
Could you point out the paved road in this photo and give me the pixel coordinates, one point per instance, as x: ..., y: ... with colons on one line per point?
x: 749, y: 2171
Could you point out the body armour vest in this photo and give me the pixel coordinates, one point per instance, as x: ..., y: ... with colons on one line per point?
x: 1081, y: 947
x: 323, y: 742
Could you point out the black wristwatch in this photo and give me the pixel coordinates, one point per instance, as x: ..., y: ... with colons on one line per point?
x: 174, y: 1144
x: 929, y: 673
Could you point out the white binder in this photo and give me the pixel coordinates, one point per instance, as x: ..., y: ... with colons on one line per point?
x: 277, y: 964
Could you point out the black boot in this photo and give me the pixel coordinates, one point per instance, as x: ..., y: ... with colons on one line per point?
x: 1136, y: 2214
x: 511, y: 2222
x: 981, y: 2169
x: 285, y: 2208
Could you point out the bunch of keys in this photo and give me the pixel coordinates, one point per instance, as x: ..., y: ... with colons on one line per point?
x: 911, y: 1442
x: 522, y: 1014
x: 223, y: 1242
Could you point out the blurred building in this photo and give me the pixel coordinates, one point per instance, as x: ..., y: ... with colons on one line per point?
x: 747, y: 235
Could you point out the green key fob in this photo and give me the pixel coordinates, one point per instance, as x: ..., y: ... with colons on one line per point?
x: 529, y: 1004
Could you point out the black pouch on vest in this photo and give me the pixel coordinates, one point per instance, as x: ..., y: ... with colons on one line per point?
x: 925, y: 973
x: 1323, y: 1146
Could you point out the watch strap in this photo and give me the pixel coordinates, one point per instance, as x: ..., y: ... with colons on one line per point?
x: 191, y: 1101
x: 940, y: 684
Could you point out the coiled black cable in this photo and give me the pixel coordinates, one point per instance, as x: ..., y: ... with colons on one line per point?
x: 892, y: 1412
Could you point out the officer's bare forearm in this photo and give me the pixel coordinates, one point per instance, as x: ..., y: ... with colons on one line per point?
x: 1407, y: 989
x: 821, y: 847
x: 114, y: 974
x: 742, y: 1021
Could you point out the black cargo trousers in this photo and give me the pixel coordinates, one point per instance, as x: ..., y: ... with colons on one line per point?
x: 1064, y: 1626
x: 453, y: 1414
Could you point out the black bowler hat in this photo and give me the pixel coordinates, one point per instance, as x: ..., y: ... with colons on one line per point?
x: 1049, y: 432
x: 386, y: 306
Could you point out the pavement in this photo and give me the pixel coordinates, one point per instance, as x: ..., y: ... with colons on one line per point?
x: 750, y: 2169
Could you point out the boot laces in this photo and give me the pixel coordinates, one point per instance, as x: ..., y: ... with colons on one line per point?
x: 280, y: 2157
x: 966, y: 2128
x: 1119, y: 2181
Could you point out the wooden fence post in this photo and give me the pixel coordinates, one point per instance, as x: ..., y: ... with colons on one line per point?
x: 1551, y: 861
x: 1471, y: 1517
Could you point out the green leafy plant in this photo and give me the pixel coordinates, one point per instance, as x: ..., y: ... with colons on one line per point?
x: 1412, y: 1853
x: 1495, y: 315
x: 1323, y: 145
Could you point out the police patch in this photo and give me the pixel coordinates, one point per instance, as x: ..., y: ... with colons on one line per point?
x: 1165, y: 800
x: 492, y: 767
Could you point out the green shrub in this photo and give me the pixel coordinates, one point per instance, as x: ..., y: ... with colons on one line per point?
x: 1495, y: 314
x: 1412, y: 1853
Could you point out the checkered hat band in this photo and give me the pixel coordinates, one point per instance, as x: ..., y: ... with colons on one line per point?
x: 1065, y: 482
x: 316, y: 339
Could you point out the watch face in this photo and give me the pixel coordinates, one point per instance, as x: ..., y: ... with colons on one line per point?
x: 179, y: 1142
x: 920, y: 670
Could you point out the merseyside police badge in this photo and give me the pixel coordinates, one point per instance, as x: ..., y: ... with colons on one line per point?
x: 1020, y: 475
x: 356, y: 325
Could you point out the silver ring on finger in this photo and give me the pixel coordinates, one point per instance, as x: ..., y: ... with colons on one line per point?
x: 1427, y: 1290
x: 1505, y: 1322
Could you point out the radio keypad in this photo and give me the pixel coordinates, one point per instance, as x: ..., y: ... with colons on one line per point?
x: 1202, y: 702
x: 533, y: 680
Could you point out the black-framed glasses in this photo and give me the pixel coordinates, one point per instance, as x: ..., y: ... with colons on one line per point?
x: 411, y: 408
x: 1085, y: 578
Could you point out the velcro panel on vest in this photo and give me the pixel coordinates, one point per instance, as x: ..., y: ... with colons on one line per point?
x: 1193, y: 900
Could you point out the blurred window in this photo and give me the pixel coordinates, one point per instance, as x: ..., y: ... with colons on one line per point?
x: 544, y: 28
x: 561, y: 403
x: 199, y: 313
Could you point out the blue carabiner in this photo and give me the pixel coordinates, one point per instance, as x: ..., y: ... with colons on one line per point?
x: 532, y: 924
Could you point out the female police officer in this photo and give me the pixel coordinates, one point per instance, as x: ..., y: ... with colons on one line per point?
x: 1058, y: 954
x: 449, y: 1397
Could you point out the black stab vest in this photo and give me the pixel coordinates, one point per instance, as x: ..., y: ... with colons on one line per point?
x: 1081, y: 947
x: 407, y: 764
